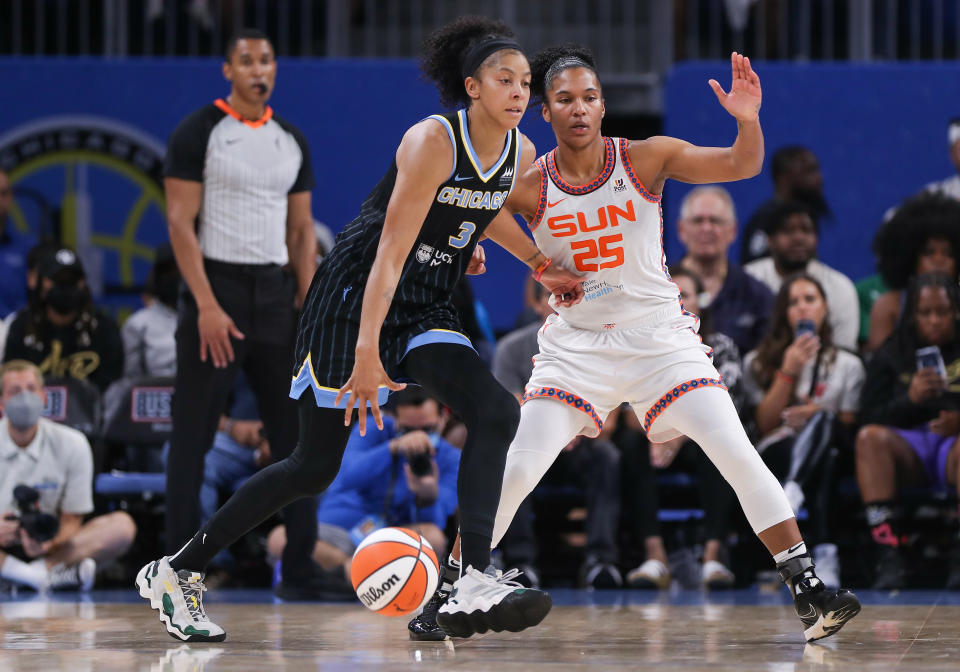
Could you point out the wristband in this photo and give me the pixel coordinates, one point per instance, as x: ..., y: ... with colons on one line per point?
x: 786, y: 376
x: 537, y: 274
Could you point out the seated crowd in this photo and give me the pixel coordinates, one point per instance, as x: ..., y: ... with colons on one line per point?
x: 851, y: 394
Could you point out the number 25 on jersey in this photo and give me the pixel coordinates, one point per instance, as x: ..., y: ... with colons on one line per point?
x: 594, y: 254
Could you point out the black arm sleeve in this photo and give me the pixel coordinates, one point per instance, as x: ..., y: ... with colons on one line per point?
x: 304, y: 181
x: 187, y: 145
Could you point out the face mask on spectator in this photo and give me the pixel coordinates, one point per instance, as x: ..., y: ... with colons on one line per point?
x: 23, y: 410
x: 66, y: 298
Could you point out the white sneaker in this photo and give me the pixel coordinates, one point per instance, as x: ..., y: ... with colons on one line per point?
x: 717, y: 576
x: 651, y: 574
x: 78, y: 576
x: 178, y: 596
x: 827, y: 564
x: 491, y: 600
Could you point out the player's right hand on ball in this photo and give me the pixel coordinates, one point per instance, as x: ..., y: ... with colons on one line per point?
x: 362, y: 387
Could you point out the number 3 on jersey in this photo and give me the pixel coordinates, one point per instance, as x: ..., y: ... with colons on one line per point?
x: 601, y: 249
x: 460, y: 240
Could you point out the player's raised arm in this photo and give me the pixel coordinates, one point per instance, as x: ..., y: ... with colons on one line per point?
x: 683, y: 161
x: 423, y: 161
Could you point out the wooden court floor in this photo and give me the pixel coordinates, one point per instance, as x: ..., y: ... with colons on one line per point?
x: 652, y: 634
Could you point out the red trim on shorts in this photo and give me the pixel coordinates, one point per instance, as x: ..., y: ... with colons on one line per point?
x: 568, y: 398
x: 675, y: 394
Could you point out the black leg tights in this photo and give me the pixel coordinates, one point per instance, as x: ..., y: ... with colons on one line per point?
x: 461, y: 381
x: 306, y: 473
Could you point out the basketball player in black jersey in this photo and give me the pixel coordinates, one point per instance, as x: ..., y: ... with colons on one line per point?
x: 379, y: 310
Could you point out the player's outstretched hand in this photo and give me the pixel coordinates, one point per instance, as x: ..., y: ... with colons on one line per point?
x: 362, y: 387
x: 477, y: 265
x: 566, y: 286
x: 745, y: 96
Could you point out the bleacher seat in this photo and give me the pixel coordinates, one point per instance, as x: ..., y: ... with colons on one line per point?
x: 75, y: 403
x: 138, y: 416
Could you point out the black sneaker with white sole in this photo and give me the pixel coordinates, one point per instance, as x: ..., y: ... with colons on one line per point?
x: 491, y: 600
x: 821, y: 610
x: 424, y: 627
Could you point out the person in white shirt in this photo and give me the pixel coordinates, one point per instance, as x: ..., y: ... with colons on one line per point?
x: 56, y: 462
x: 149, y: 344
x: 951, y: 185
x: 793, y: 237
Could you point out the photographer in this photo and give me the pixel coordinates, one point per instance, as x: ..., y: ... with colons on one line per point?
x: 57, y: 550
x: 404, y: 476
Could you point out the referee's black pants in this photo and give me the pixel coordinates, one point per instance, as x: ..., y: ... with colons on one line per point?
x: 259, y: 300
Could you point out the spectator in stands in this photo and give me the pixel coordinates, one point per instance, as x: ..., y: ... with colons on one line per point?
x: 911, y: 416
x: 950, y: 186
x: 13, y: 251
x: 716, y: 495
x: 793, y: 236
x: 923, y: 236
x: 590, y: 464
x: 240, y: 448
x: 62, y: 332
x: 149, y: 346
x: 796, y: 177
x: 799, y: 383
x: 739, y: 303
x: 56, y: 461
x: 404, y: 475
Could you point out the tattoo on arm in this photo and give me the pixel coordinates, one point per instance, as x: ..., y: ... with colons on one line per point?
x: 535, y: 255
x: 388, y: 295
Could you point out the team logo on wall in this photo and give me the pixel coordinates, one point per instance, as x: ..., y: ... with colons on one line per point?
x: 95, y: 184
x: 424, y: 253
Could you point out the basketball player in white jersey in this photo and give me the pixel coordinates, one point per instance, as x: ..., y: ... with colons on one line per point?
x: 593, y: 205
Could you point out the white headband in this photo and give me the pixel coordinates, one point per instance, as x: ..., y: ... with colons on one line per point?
x: 953, y: 134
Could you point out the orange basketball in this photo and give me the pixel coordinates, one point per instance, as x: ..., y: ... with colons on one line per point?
x: 395, y: 571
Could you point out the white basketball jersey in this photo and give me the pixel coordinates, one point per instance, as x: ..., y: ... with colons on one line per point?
x: 611, y: 231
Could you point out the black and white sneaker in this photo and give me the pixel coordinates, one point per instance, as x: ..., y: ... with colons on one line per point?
x: 78, y: 576
x: 424, y: 627
x: 178, y: 596
x: 822, y: 611
x: 491, y: 600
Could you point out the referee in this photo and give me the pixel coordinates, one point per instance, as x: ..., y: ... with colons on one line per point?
x: 238, y: 181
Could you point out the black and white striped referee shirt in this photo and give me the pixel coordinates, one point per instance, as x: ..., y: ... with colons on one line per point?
x: 248, y: 169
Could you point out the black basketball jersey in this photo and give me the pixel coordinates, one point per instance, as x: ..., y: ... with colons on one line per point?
x: 463, y: 207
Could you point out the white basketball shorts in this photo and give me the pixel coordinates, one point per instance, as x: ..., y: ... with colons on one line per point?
x: 596, y: 371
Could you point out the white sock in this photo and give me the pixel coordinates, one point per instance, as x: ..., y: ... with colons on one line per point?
x: 33, y: 574
x: 453, y: 562
x: 791, y: 552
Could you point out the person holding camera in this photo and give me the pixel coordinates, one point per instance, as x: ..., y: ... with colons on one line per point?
x: 46, y: 489
x: 911, y: 417
x: 799, y: 383
x: 404, y: 475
